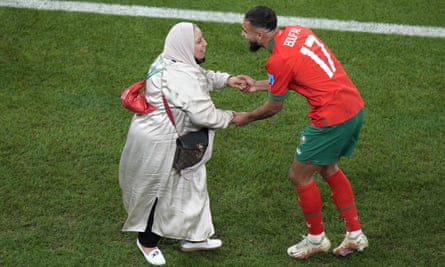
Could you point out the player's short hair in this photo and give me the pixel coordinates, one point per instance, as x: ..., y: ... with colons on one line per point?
x: 262, y: 17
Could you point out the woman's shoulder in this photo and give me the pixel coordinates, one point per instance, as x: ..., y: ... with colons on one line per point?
x: 185, y: 68
x: 184, y: 71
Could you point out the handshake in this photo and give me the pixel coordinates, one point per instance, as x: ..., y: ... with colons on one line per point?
x: 248, y: 85
x: 245, y: 83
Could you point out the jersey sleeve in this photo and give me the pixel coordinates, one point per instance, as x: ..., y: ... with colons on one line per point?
x: 280, y: 76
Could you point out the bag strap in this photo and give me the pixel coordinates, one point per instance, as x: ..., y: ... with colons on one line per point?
x: 169, y: 112
x: 167, y: 108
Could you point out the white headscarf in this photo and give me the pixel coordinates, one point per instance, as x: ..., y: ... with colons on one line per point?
x: 180, y: 43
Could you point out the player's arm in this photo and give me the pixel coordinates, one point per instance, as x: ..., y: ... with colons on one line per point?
x: 268, y: 109
x: 262, y: 85
x: 254, y: 86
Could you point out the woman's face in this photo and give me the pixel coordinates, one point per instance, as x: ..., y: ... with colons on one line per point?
x: 200, y: 44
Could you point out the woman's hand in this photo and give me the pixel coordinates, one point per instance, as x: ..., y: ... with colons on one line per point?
x: 242, y: 82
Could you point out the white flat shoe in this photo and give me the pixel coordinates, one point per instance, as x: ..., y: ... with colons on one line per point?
x: 155, y: 257
x: 209, y: 244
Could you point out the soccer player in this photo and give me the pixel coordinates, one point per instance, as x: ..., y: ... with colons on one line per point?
x: 300, y: 62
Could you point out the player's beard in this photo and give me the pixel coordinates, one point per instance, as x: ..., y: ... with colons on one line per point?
x: 200, y: 60
x: 254, y: 46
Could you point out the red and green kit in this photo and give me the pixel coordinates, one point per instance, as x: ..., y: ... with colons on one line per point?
x: 301, y: 62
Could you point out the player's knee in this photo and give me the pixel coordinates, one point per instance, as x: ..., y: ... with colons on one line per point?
x: 301, y: 174
x: 292, y: 176
x: 328, y: 170
x: 298, y: 179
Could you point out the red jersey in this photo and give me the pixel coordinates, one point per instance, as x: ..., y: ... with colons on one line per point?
x: 301, y: 62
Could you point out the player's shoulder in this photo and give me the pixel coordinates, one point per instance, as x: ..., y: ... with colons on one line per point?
x: 289, y: 38
x: 295, y: 27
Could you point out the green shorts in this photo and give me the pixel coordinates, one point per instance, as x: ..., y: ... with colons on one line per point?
x: 324, y: 146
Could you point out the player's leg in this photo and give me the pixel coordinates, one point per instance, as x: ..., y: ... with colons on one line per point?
x: 343, y: 197
x: 309, y: 199
x: 345, y: 136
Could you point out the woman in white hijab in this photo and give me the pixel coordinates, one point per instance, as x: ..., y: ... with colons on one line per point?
x: 160, y: 201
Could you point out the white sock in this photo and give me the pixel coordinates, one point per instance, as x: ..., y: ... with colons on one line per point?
x: 354, y: 234
x: 315, y: 239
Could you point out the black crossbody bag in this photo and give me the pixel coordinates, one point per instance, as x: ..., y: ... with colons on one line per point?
x: 190, y: 147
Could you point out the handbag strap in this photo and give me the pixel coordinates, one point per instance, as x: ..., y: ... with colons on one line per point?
x: 167, y: 108
x: 169, y: 112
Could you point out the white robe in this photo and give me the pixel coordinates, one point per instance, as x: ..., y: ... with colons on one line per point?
x: 145, y: 171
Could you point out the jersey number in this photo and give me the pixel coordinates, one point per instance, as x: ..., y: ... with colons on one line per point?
x: 325, y: 63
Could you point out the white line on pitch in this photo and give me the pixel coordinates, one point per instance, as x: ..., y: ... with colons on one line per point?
x: 224, y: 17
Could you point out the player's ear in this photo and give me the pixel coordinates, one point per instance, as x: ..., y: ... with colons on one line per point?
x: 261, y: 34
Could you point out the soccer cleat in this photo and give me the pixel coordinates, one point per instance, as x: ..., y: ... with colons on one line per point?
x: 209, y: 244
x: 350, y: 245
x: 306, y: 248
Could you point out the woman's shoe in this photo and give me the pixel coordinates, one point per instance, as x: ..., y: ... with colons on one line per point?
x: 155, y: 256
x: 208, y: 244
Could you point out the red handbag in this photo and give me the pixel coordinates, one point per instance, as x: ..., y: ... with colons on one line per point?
x: 134, y: 100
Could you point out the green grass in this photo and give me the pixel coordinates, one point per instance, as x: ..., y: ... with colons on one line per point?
x: 63, y: 130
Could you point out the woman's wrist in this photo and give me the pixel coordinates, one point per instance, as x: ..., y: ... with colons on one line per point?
x: 228, y: 80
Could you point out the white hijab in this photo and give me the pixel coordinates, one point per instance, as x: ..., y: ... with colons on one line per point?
x: 180, y: 43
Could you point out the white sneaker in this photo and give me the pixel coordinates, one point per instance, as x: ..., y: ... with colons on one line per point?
x: 306, y: 248
x: 155, y: 257
x: 350, y: 245
x: 209, y: 244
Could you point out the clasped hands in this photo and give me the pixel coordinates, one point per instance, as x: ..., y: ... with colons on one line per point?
x: 246, y: 85
x: 243, y: 82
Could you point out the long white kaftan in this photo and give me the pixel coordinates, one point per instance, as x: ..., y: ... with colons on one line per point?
x: 145, y: 171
